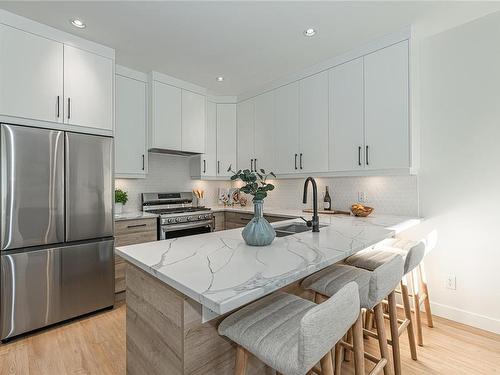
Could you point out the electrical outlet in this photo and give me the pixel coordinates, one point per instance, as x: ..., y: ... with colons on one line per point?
x: 362, y: 197
x: 451, y: 282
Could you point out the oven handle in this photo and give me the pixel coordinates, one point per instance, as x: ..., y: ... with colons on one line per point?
x: 196, y: 224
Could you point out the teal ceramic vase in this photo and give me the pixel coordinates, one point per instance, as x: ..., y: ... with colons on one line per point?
x: 258, y: 232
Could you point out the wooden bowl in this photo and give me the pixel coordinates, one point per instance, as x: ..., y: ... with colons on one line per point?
x: 360, y: 210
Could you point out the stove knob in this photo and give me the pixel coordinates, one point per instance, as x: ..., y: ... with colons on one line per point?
x: 176, y: 219
x: 170, y: 221
x: 201, y: 217
x: 189, y: 218
x: 208, y: 216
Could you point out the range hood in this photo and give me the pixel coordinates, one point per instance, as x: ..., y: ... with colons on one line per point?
x: 172, y: 152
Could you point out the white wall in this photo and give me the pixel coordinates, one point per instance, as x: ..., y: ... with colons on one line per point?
x: 167, y: 173
x: 459, y: 180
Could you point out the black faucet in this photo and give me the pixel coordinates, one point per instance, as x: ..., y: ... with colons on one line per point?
x: 315, y: 219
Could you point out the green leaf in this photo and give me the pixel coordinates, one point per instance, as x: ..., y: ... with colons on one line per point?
x: 272, y: 174
x: 234, y: 177
x: 262, y: 171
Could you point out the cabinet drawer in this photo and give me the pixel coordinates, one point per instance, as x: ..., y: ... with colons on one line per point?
x: 238, y: 218
x: 135, y: 238
x: 134, y: 226
x: 231, y: 225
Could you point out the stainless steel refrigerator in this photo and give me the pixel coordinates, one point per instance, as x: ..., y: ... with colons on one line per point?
x: 56, y: 239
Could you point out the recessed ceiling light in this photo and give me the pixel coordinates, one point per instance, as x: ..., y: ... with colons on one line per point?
x: 78, y: 23
x: 309, y: 32
x: 220, y: 79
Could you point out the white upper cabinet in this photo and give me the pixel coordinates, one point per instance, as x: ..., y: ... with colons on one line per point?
x: 166, y: 130
x: 263, y: 132
x: 193, y: 122
x: 130, y: 129
x: 88, y: 89
x: 209, y: 159
x: 386, y: 108
x: 226, y: 138
x: 286, y: 129
x: 313, y: 125
x: 31, y: 76
x: 246, y: 139
x: 346, y: 116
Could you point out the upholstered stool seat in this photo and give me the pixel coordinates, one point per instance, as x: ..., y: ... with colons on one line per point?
x: 373, y: 287
x: 291, y: 334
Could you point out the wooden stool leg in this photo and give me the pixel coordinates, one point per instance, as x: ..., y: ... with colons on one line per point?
x: 240, y: 367
x: 368, y: 321
x: 409, y: 317
x: 339, y: 350
x: 416, y: 303
x: 382, y: 337
x: 347, y: 354
x: 327, y: 364
x: 393, y: 321
x: 425, y: 289
x: 358, y: 346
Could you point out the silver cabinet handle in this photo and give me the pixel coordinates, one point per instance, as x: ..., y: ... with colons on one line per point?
x: 255, y: 165
x: 218, y: 166
x: 359, y: 155
x: 366, y: 156
x: 69, y: 108
x: 204, y: 166
x: 142, y: 161
x: 251, y: 165
x: 300, y: 160
x: 295, y: 161
x: 58, y: 107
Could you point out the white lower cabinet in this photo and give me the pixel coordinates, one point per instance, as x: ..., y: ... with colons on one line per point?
x: 313, y: 123
x: 226, y: 138
x: 286, y: 129
x: 130, y: 130
x: 31, y: 75
x: 386, y: 108
x: 346, y: 117
x: 88, y: 89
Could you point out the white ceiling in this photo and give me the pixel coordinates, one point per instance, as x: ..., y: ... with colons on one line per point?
x: 249, y: 43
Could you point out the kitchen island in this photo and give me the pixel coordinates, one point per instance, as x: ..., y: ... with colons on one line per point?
x: 179, y: 290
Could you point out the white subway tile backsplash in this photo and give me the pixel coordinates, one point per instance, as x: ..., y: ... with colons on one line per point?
x: 387, y: 194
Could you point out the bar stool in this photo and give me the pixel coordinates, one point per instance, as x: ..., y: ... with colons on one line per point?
x: 413, y: 253
x: 373, y: 287
x: 291, y: 334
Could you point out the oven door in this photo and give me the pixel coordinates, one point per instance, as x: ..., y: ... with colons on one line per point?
x: 186, y: 229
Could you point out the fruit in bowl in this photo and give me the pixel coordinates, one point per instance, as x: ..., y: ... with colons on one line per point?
x: 360, y: 210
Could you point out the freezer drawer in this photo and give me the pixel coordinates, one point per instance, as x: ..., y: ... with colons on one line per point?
x: 89, y: 187
x: 42, y: 287
x: 32, y: 187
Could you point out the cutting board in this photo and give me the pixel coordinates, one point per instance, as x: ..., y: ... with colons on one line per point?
x: 331, y: 212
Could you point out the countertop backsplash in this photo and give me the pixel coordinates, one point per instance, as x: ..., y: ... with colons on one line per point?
x: 396, y: 195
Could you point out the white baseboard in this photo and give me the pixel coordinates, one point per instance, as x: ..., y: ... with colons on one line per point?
x: 466, y: 317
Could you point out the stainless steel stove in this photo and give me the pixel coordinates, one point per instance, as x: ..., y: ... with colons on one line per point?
x: 178, y: 216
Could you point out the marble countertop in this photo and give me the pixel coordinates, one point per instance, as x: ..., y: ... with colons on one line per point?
x: 136, y: 215
x: 222, y: 273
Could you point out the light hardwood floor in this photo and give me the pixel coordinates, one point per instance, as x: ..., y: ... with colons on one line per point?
x: 96, y: 345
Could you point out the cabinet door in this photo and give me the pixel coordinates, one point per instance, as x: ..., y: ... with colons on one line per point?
x: 386, y: 107
x: 346, y: 116
x: 88, y: 89
x: 166, y: 121
x: 264, y: 132
x: 314, y: 123
x: 31, y: 76
x: 246, y: 130
x: 130, y: 132
x: 226, y: 138
x: 209, y: 159
x: 193, y: 122
x: 286, y: 137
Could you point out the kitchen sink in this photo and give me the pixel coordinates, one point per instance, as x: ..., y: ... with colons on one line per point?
x: 289, y: 229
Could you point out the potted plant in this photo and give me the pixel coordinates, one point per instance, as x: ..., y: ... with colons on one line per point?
x: 258, y: 232
x: 120, y: 199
